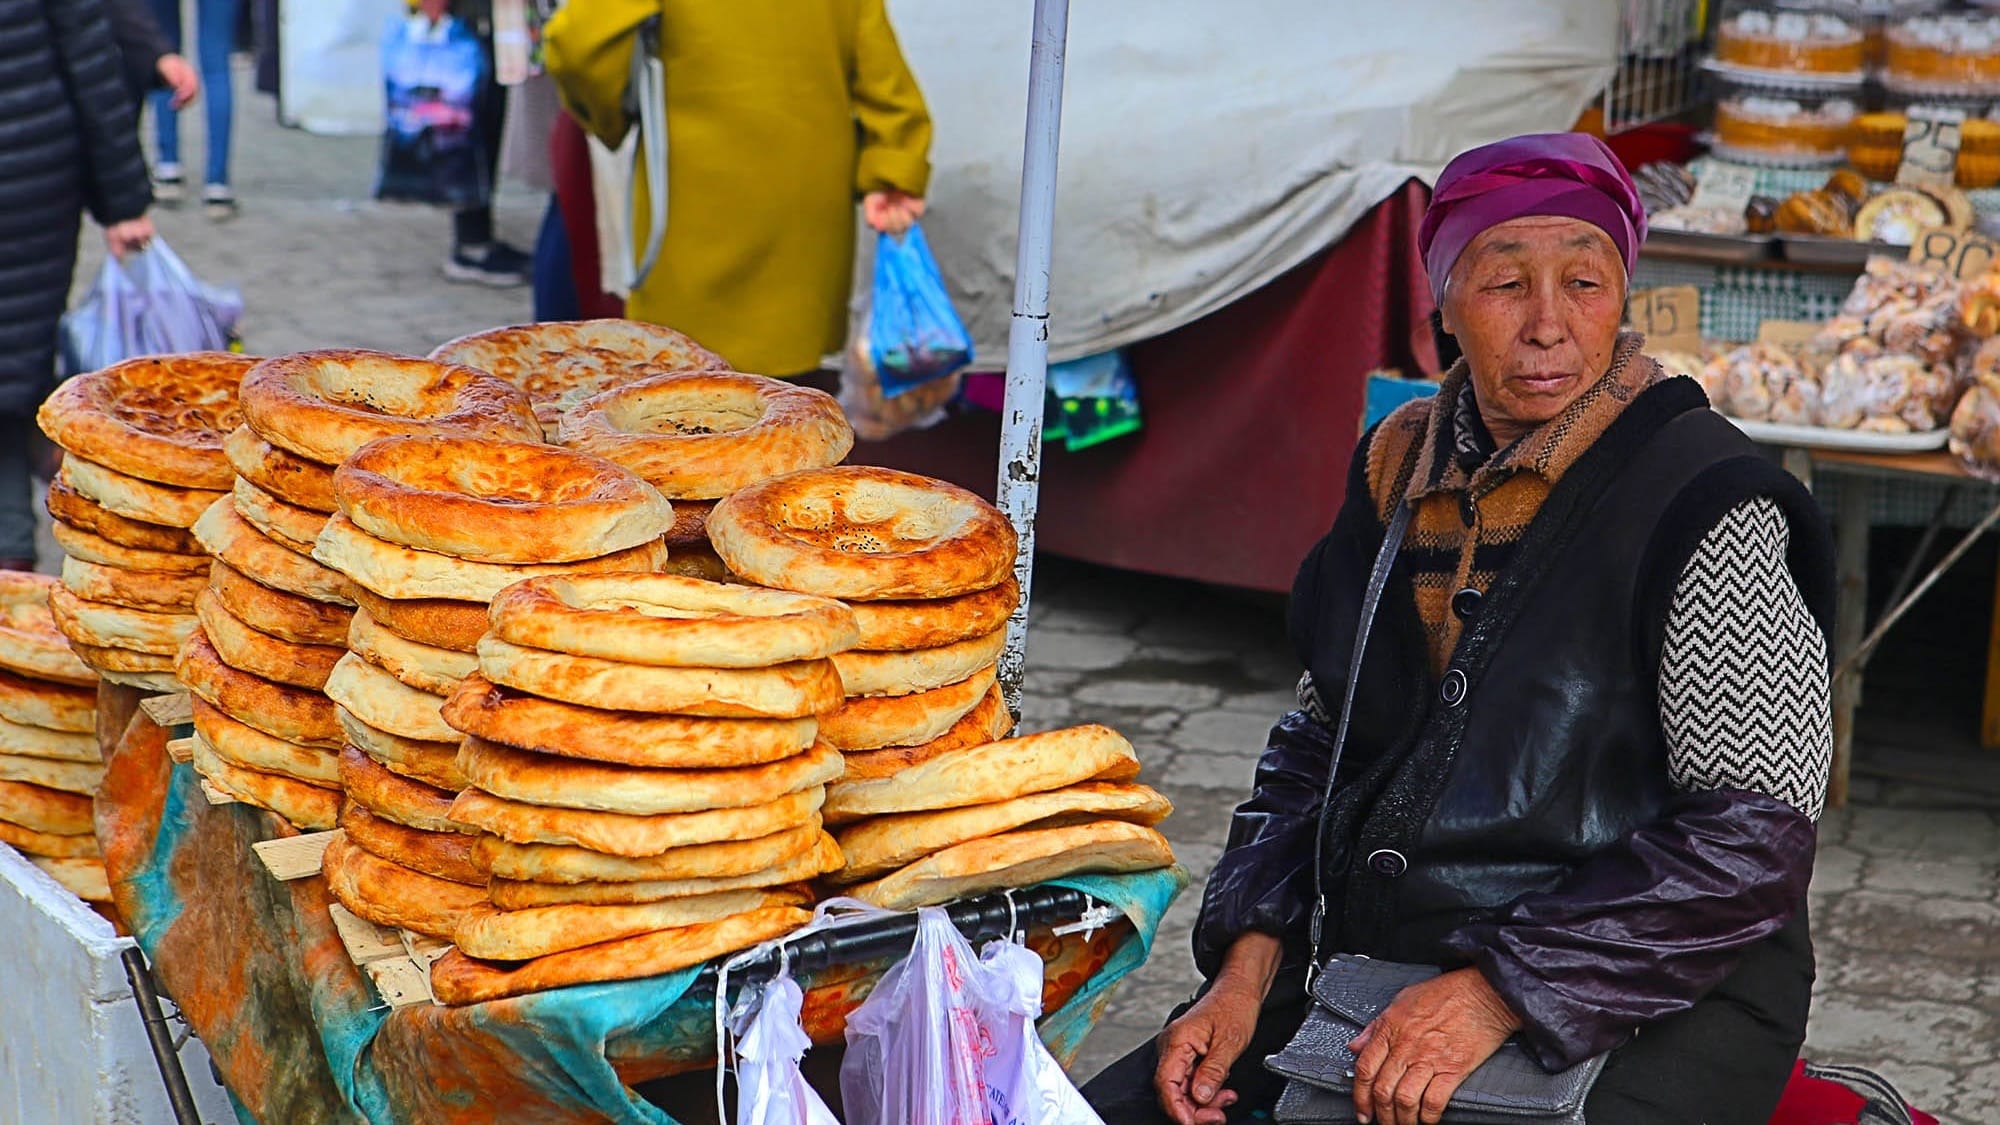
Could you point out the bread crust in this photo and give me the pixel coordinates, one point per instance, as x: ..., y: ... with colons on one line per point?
x: 307, y: 807
x: 541, y: 779
x: 884, y: 844
x: 864, y: 534
x: 703, y: 435
x: 390, y: 894
x: 324, y: 405
x: 234, y: 540
x: 45, y: 810
x: 385, y: 702
x: 104, y: 625
x: 69, y: 777
x: 424, y: 667
x: 280, y: 472
x: 432, y: 763
x: 553, y: 863
x: 933, y: 623
x: 396, y: 798
x: 515, y: 894
x: 438, y: 622
x: 55, y: 745
x: 561, y: 363
x: 287, y: 616
x: 441, y: 855
x: 291, y: 713
x: 995, y: 771
x: 246, y: 747
x: 84, y: 878
x: 42, y: 703
x: 30, y: 642
x: 870, y: 674
x: 290, y: 525
x: 133, y: 498
x: 69, y: 506
x: 79, y: 543
x: 516, y: 718
x: 519, y: 935
x: 519, y: 502
x: 666, y: 620
x: 986, y: 722
x: 108, y: 661
x: 133, y: 589
x: 1018, y: 859
x: 395, y: 571
x: 31, y: 842
x: 627, y: 835
x: 787, y: 691
x: 159, y: 418
x: 260, y: 654
x: 905, y: 720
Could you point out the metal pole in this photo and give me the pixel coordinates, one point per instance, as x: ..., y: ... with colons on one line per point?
x: 1028, y: 334
x: 179, y: 1098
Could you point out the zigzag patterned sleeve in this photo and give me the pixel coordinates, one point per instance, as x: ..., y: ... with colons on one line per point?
x: 1743, y: 671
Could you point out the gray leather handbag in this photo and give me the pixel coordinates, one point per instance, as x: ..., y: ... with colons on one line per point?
x: 1350, y: 990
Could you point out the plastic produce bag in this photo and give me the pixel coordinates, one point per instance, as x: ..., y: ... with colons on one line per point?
x: 151, y: 304
x: 430, y: 151
x: 1025, y: 1085
x: 917, y: 1047
x: 914, y: 334
x: 770, y: 1090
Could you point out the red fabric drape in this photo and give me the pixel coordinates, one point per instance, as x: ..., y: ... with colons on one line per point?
x: 570, y: 159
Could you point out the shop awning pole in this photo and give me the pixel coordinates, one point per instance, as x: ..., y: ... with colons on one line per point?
x: 1028, y: 334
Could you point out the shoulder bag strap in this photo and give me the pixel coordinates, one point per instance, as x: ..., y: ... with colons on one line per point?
x: 1378, y: 578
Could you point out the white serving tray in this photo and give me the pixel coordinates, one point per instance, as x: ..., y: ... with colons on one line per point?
x: 1852, y: 441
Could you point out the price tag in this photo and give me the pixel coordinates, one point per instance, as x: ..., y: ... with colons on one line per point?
x: 1725, y: 185
x: 1669, y: 317
x: 1930, y: 147
x: 1964, y: 254
x: 1787, y: 334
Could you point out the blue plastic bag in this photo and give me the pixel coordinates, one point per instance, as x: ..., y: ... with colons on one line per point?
x: 914, y: 333
x: 430, y: 151
x: 151, y: 304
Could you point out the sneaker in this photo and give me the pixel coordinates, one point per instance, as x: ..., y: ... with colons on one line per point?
x: 219, y: 202
x: 168, y: 185
x: 494, y: 263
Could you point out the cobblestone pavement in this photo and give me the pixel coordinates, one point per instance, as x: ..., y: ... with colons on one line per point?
x: 1906, y: 901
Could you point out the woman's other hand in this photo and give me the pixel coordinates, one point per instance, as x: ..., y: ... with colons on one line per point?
x: 434, y: 10
x: 1411, y: 1059
x: 891, y: 212
x: 132, y: 234
x: 180, y: 78
x: 1197, y: 1050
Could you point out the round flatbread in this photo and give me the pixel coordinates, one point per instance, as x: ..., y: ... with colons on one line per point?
x: 551, y: 863
x: 934, y: 623
x: 703, y: 435
x: 232, y: 539
x: 865, y: 534
x: 31, y: 842
x: 438, y: 622
x: 389, y: 894
x: 293, y: 714
x: 104, y: 625
x: 84, y: 878
x: 871, y: 674
x: 498, y: 501
x: 30, y: 643
x: 436, y: 670
x: 396, y: 571
x: 787, y: 691
x: 905, y: 720
x: 561, y: 363
x: 441, y: 855
x: 285, y: 475
x: 883, y: 844
x: 996, y: 771
x: 39, y: 703
x: 133, y: 589
x: 325, y: 405
x: 246, y: 747
x: 457, y: 979
x: 518, y: 935
x: 513, y: 894
x: 432, y: 763
x: 110, y: 660
x: 984, y: 723
x: 41, y: 742
x: 540, y: 779
x: 309, y: 808
x: 156, y: 683
x: 69, y: 506
x: 661, y: 619
x: 620, y: 834
x: 387, y: 703
x: 133, y: 498
x: 293, y: 527
x: 289, y: 617
x: 1019, y: 859
x: 514, y: 718
x: 81, y: 544
x: 396, y: 798
x: 159, y: 417
x: 45, y: 810
x: 69, y: 777
x: 261, y: 654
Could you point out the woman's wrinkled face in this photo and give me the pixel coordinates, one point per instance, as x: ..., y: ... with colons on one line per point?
x: 1536, y: 304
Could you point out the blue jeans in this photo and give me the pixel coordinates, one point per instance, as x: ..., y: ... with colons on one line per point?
x: 215, y: 31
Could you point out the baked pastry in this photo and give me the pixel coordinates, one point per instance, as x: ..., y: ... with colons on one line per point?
x: 561, y: 363
x: 927, y: 623
x: 234, y: 540
x: 519, y: 935
x: 292, y: 526
x: 1975, y: 428
x: 703, y: 436
x: 158, y: 418
x: 293, y: 714
x: 1816, y: 212
x: 441, y: 855
x: 395, y: 571
x: 996, y: 771
x: 554, y: 863
x: 438, y: 622
x: 385, y: 702
x: 52, y: 706
x: 626, y: 834
x: 987, y: 722
x: 136, y: 589
x: 396, y: 798
x: 663, y: 619
x: 1954, y: 51
x: 516, y: 718
x: 324, y: 405
x: 1791, y: 42
x: 905, y: 720
x: 30, y: 643
x: 1897, y: 216
x: 517, y: 894
x: 104, y: 625
x: 543, y: 779
x: 133, y: 497
x: 311, y: 807
x: 1019, y: 858
x: 69, y: 506
x: 289, y: 617
x: 782, y: 691
x: 497, y: 501
x: 283, y: 474
x: 1784, y: 126
x: 260, y: 654
x: 240, y: 744
x: 389, y: 894
x: 424, y: 667
x: 432, y: 763
x: 80, y: 544
x: 917, y: 670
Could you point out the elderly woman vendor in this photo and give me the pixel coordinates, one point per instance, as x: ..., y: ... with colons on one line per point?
x: 1590, y: 733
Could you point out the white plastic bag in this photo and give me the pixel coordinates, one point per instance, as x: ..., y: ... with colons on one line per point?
x: 770, y: 1090
x: 1025, y: 1085
x: 917, y: 1047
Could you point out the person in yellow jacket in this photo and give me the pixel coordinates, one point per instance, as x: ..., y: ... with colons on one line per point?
x: 780, y: 114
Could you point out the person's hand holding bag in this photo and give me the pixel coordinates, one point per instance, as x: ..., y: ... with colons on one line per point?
x: 129, y: 236
x: 891, y: 212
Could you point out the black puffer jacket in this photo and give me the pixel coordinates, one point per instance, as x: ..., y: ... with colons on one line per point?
x: 69, y: 141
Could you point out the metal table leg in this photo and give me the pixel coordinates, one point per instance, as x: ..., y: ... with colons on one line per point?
x: 1850, y: 623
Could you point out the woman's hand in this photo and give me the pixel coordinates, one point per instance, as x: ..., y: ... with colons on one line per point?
x: 891, y: 212
x: 1412, y: 1058
x: 1197, y: 1050
x: 132, y: 234
x: 434, y: 10
x: 180, y: 78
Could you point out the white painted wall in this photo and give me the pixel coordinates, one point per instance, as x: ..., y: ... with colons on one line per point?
x: 73, y: 1050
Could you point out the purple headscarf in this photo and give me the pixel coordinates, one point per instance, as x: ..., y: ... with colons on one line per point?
x: 1573, y: 175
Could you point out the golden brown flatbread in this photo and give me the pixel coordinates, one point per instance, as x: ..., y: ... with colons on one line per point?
x: 427, y: 668
x: 394, y: 797
x: 516, y: 718
x: 905, y: 720
x: 387, y: 703
x: 45, y: 810
x: 433, y: 763
x: 542, y: 779
x: 925, y: 669
x: 1019, y: 859
x: 389, y: 894
x: 41, y: 742
x: 996, y: 771
x: 241, y: 744
x: 982, y: 724
x: 31, y: 842
x: 40, y: 703
x: 514, y: 894
x: 308, y: 807
x: 441, y: 855
x: 518, y: 935
x: 787, y: 691
x: 69, y: 777
x: 882, y: 844
x: 620, y: 834
x: 553, y: 863
x: 84, y: 878
x: 293, y: 714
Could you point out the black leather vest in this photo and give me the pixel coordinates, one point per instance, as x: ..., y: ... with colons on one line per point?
x: 1541, y: 744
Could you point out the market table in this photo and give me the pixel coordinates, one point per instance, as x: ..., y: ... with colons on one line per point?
x: 297, y: 1033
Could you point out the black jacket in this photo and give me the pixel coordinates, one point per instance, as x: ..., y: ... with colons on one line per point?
x: 1516, y: 814
x: 141, y: 44
x: 69, y: 142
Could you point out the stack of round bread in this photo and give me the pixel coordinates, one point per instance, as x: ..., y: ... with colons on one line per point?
x: 698, y: 437
x: 429, y: 530
x: 50, y: 764
x: 142, y: 460
x: 642, y: 757
x: 562, y: 362
x: 274, y: 622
